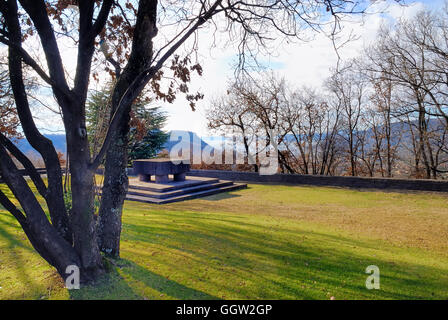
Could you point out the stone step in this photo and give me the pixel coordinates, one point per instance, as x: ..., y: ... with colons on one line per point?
x: 134, y: 184
x: 178, y: 192
x: 187, y: 196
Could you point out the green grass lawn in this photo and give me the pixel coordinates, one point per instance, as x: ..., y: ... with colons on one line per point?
x: 265, y: 242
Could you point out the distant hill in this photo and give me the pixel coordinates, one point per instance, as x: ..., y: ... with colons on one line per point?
x: 185, y: 136
x: 57, y: 139
x: 196, y: 142
x: 60, y: 143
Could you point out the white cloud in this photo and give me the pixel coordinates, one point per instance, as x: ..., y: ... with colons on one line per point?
x: 302, y: 63
x: 305, y: 63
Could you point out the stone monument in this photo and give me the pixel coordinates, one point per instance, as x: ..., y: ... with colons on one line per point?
x: 161, y: 168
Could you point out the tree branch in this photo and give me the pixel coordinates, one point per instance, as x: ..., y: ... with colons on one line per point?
x: 37, y: 11
x: 101, y: 18
x: 29, y: 167
x: 27, y: 59
x: 8, y: 205
x: 86, y: 47
x: 141, y: 80
x: 44, y: 146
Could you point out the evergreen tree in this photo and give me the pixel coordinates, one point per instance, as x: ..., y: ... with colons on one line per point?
x: 146, y: 137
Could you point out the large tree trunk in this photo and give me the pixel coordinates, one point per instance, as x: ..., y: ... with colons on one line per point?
x: 114, y: 192
x: 84, y: 230
x: 116, y: 180
x: 42, y: 235
x: 82, y: 218
x: 71, y: 238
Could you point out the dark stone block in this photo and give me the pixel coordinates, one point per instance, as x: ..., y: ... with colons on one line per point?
x: 162, y: 178
x: 144, y: 177
x: 180, y: 176
x: 161, y: 168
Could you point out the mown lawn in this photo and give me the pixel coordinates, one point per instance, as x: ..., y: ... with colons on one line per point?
x: 265, y: 242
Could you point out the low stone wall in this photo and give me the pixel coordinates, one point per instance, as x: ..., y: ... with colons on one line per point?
x: 348, y: 182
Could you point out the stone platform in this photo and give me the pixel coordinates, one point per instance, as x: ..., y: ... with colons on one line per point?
x: 161, y: 168
x: 173, y: 191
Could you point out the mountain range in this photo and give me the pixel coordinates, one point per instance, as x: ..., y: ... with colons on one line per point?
x: 60, y: 144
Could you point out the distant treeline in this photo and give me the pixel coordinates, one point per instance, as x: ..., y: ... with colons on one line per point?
x: 382, y: 114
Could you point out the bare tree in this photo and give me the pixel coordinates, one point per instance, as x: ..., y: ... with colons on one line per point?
x: 380, y: 120
x: 254, y: 108
x: 401, y: 56
x: 267, y: 100
x: 348, y: 88
x: 313, y: 124
x: 230, y: 114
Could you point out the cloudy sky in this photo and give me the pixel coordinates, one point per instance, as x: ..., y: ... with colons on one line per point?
x: 300, y: 63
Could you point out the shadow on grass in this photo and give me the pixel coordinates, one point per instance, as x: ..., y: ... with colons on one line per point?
x: 111, y: 286
x: 221, y: 196
x: 285, y: 262
x: 163, y: 285
x: 13, y: 246
x: 117, y: 284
